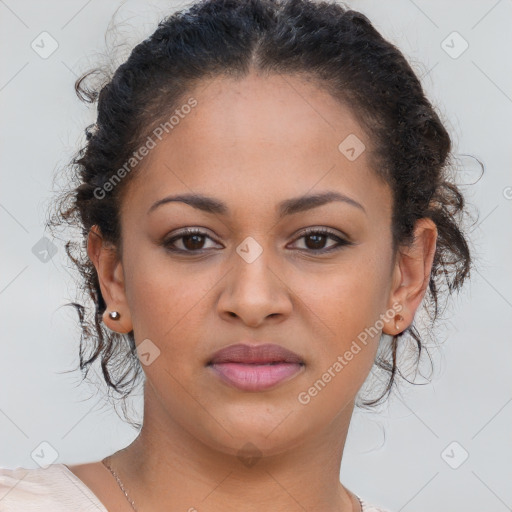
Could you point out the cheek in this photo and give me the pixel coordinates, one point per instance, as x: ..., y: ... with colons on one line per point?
x: 161, y: 306
x: 348, y: 297
x: 343, y: 306
x: 165, y: 297
x: 345, y: 342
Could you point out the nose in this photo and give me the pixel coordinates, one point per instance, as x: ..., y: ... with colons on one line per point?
x: 254, y: 292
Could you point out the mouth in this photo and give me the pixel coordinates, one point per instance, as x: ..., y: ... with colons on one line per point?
x: 255, y: 368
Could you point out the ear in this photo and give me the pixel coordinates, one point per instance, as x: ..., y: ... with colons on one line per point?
x: 411, y: 275
x: 111, y: 278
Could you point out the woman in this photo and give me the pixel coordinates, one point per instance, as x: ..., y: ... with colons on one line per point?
x: 263, y: 196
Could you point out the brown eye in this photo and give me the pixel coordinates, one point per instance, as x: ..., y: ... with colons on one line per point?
x: 316, y: 241
x: 316, y: 238
x: 191, y: 240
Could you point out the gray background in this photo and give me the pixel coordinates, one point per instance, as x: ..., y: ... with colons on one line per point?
x: 396, y: 456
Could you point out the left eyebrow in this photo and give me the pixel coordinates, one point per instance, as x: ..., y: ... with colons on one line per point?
x: 286, y: 207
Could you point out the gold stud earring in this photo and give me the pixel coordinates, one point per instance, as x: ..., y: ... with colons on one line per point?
x: 400, y: 318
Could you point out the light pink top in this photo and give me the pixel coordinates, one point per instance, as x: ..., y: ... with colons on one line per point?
x: 57, y: 489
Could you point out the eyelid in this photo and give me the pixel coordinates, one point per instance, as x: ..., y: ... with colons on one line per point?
x: 324, y: 230
x: 204, y: 232
x: 339, y: 237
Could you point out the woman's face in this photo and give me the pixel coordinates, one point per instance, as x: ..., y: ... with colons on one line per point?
x: 252, y: 275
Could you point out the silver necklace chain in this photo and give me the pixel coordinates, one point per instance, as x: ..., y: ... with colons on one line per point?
x: 132, y: 503
x: 121, y: 486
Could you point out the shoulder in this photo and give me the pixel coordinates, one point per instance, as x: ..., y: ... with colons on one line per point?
x: 53, y: 488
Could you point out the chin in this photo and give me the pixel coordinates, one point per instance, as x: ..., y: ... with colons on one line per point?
x: 258, y: 430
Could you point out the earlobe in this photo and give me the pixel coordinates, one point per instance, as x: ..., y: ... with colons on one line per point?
x: 117, y: 322
x: 412, y: 274
x: 111, y: 281
x: 398, y: 324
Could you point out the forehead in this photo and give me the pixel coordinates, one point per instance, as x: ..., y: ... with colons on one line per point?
x: 269, y: 137
x: 263, y: 115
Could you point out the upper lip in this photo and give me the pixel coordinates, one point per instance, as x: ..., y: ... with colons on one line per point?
x: 245, y: 353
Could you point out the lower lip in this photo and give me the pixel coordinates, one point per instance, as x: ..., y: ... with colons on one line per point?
x: 255, y: 377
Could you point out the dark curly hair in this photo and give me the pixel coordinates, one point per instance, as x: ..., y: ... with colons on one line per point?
x: 336, y: 47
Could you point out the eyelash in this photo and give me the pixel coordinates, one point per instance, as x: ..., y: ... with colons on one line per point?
x: 341, y: 242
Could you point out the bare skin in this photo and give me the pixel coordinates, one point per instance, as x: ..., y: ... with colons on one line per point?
x: 252, y: 144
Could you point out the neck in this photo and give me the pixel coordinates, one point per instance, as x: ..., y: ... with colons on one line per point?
x: 169, y: 465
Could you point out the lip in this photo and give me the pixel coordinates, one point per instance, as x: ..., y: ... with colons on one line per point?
x: 253, y: 354
x: 255, y: 367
